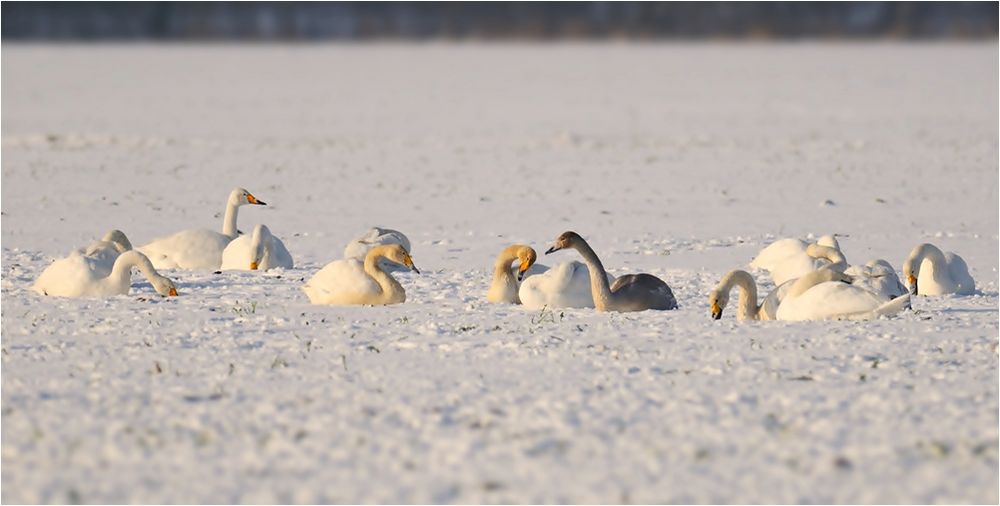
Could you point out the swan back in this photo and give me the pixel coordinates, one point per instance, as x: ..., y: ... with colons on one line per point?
x: 639, y: 292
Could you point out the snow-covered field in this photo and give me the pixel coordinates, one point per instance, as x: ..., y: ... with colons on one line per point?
x: 679, y: 160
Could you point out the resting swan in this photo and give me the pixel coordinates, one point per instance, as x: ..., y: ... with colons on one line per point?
x: 359, y: 246
x: 199, y: 248
x: 787, y: 259
x: 929, y: 271
x: 259, y: 250
x: 349, y: 281
x: 631, y: 292
x: 747, y: 308
x: 105, y: 251
x: 504, y: 287
x: 877, y: 276
x: 77, y: 276
x: 826, y: 294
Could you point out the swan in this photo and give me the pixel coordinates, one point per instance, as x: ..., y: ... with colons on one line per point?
x: 351, y: 281
x: 77, y: 276
x: 359, y: 246
x: 631, y: 292
x: 199, y: 248
x: 565, y: 285
x: 877, y: 276
x: 103, y: 252
x: 747, y: 308
x: 827, y: 294
x: 787, y: 259
x: 504, y: 286
x: 260, y: 250
x: 929, y: 271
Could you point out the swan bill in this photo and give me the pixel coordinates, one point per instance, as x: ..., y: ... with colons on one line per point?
x: 912, y: 281
x: 552, y: 250
x: 253, y: 200
x: 716, y: 312
x: 172, y: 292
x: 253, y: 266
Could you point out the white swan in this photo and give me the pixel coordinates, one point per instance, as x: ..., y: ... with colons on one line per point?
x: 631, y: 292
x: 878, y: 277
x: 787, y: 259
x: 199, y: 248
x: 105, y: 251
x: 77, y: 276
x: 929, y: 271
x: 259, y: 250
x: 359, y: 246
x: 747, y: 308
x: 504, y: 286
x: 826, y: 294
x: 564, y: 285
x: 351, y: 281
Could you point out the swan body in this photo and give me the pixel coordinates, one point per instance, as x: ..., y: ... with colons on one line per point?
x: 504, y: 287
x: 105, y: 251
x: 564, y: 285
x: 787, y: 259
x: 259, y: 250
x: 78, y: 276
x: 351, y: 281
x: 827, y: 295
x: 747, y: 307
x: 930, y: 271
x: 199, y: 248
x: 877, y: 276
x: 634, y: 292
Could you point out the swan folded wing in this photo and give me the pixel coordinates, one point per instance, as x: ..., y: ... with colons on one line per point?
x: 959, y: 271
x: 769, y: 307
x: 279, y: 256
x: 829, y: 300
x: 341, y: 282
x: 566, y: 285
x: 187, y: 249
x: 647, y: 291
x: 72, y: 276
x: 237, y: 255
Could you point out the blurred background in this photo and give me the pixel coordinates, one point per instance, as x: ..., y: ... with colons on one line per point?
x: 317, y: 21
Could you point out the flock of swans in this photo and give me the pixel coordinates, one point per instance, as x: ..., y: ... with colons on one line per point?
x: 813, y: 281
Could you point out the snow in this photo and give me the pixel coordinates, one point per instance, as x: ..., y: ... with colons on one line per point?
x: 681, y: 160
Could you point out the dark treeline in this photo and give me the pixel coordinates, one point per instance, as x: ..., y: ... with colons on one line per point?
x: 493, y: 20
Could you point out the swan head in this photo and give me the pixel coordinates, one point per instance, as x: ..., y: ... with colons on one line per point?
x: 164, y: 286
x: 527, y: 256
x: 240, y: 197
x: 718, y: 300
x: 117, y: 237
x: 911, y: 277
x: 565, y: 240
x: 397, y: 253
x: 829, y: 241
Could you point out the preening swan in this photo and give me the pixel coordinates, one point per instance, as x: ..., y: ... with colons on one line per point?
x: 504, y: 286
x: 929, y: 271
x: 631, y: 292
x: 199, y: 248
x: 105, y: 251
x: 747, y: 308
x: 351, y: 281
x: 826, y: 294
x: 787, y: 259
x: 564, y: 285
x: 259, y: 250
x: 77, y: 276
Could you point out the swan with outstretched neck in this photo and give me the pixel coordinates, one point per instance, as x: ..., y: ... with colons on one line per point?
x: 77, y: 276
x: 259, y: 250
x: 199, y: 249
x: 930, y: 271
x: 504, y: 287
x: 631, y: 292
x: 351, y: 281
x: 827, y: 294
x: 746, y: 307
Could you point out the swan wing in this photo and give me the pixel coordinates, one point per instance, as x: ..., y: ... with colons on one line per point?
x: 769, y: 307
x: 279, y: 256
x: 828, y: 300
x: 959, y: 271
x: 644, y: 291
x: 237, y: 255
x: 340, y: 282
x: 564, y: 285
x: 72, y: 276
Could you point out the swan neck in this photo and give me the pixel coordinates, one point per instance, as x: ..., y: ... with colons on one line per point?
x: 121, y: 272
x: 932, y: 254
x: 747, y: 307
x: 391, y: 289
x: 600, y: 289
x: 503, y: 267
x: 229, y: 220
